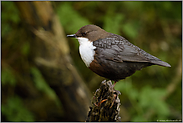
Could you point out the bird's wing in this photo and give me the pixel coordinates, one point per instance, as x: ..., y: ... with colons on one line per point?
x: 120, y: 50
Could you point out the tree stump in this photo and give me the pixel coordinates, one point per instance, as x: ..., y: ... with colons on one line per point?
x: 105, y: 104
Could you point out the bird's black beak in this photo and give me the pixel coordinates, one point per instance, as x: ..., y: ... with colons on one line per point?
x: 73, y: 35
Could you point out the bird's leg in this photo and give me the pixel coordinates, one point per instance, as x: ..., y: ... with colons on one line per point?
x: 114, y: 83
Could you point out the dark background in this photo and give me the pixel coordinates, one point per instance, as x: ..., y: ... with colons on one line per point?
x: 154, y: 93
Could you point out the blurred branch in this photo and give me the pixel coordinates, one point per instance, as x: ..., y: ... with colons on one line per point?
x: 51, y: 55
x: 105, y: 104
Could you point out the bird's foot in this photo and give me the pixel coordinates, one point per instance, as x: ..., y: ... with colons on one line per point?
x: 114, y: 84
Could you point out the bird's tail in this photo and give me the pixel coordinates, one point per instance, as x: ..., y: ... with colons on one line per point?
x: 161, y: 63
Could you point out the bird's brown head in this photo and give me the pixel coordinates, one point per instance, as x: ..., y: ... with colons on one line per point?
x: 92, y: 32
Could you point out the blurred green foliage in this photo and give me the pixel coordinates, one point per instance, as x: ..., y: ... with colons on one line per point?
x: 7, y: 20
x: 154, y: 26
x: 41, y: 84
x: 69, y: 16
x: 144, y: 101
x: 7, y: 77
x: 16, y: 111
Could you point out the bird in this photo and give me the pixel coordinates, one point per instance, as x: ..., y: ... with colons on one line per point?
x: 110, y: 55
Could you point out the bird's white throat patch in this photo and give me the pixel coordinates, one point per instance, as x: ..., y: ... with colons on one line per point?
x: 86, y: 50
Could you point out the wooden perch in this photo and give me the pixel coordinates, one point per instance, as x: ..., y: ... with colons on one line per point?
x: 105, y: 104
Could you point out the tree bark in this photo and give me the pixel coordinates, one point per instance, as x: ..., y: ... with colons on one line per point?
x: 50, y: 53
x: 105, y: 104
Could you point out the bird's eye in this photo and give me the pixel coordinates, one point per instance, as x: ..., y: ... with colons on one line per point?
x: 84, y: 33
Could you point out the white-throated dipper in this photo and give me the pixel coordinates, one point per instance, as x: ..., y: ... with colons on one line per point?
x: 110, y: 55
